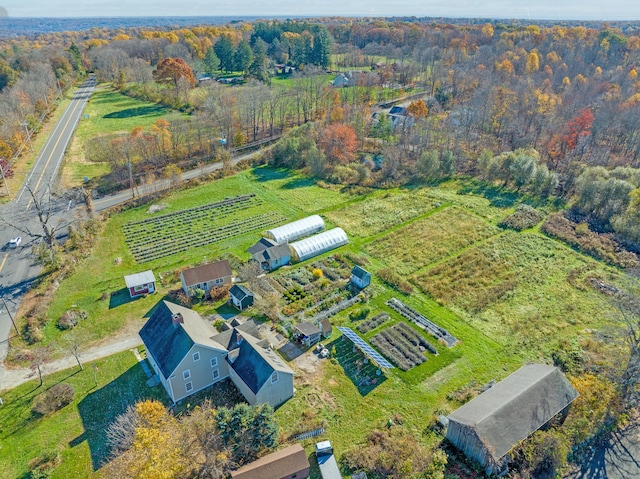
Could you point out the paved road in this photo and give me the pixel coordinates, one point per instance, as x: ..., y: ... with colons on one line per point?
x: 17, y: 267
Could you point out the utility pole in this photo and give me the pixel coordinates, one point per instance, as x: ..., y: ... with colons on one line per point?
x: 4, y: 179
x: 26, y: 128
x: 10, y: 317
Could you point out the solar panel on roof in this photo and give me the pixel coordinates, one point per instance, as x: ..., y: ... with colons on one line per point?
x: 365, y: 348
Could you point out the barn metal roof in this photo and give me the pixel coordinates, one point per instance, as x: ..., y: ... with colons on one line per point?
x: 516, y: 407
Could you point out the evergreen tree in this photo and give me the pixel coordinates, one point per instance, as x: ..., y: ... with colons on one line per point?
x: 258, y: 67
x: 243, y: 56
x: 210, y: 61
x: 321, y: 51
x: 224, y: 51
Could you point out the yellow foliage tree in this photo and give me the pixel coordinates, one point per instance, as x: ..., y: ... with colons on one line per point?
x: 533, y: 62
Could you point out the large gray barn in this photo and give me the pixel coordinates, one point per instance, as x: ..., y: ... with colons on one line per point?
x: 489, y: 426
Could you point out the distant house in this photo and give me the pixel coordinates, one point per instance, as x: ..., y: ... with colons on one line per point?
x: 205, y: 277
x: 400, y: 117
x: 288, y: 463
x: 360, y: 277
x: 140, y: 283
x: 188, y: 355
x: 340, y: 81
x: 269, y: 254
x: 488, y: 427
x: 240, y: 296
x: 307, y: 333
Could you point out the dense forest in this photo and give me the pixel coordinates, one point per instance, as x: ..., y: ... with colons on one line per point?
x: 547, y: 109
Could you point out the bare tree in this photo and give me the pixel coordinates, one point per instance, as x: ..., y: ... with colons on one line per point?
x: 37, y: 358
x: 70, y: 343
x: 268, y: 305
x: 122, y: 431
x: 628, y: 305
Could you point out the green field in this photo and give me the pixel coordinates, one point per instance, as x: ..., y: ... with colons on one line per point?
x: 107, y: 112
x: 508, y: 297
x: 422, y: 242
x: 76, y: 432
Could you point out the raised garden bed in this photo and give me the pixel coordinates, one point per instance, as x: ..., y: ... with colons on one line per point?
x: 415, y: 317
x: 371, y: 324
x: 403, y: 346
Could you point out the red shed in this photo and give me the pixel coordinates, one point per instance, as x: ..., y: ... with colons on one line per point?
x: 141, y: 283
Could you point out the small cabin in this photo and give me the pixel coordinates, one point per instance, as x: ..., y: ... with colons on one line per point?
x: 240, y: 297
x: 140, y: 283
x: 360, y: 277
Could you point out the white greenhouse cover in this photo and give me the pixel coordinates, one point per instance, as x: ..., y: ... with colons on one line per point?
x: 318, y: 244
x: 297, y: 229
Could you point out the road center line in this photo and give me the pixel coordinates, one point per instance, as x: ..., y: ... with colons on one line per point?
x: 53, y: 150
x: 3, y: 262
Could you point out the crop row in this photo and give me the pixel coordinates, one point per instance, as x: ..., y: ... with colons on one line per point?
x: 183, y: 242
x: 373, y: 323
x: 211, y: 212
x: 414, y: 338
x: 397, y: 349
x: 415, y: 317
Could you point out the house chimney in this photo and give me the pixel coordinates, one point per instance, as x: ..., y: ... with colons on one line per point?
x: 177, y: 319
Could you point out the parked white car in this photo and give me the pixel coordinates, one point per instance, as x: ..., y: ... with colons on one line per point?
x: 15, y: 242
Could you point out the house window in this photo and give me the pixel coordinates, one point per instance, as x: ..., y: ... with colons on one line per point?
x: 137, y: 289
x: 216, y: 374
x: 214, y: 362
x: 274, y: 377
x: 186, y: 374
x: 196, y: 356
x: 219, y: 281
x: 188, y: 386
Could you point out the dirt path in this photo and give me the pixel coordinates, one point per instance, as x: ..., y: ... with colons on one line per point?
x: 11, y: 378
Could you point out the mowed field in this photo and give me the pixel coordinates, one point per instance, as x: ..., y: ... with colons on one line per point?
x: 508, y: 298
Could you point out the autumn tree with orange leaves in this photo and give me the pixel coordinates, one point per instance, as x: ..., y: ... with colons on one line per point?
x: 172, y: 70
x: 339, y: 143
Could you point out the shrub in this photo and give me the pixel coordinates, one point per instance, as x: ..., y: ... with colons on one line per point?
x: 219, y: 292
x: 31, y: 332
x: 57, y: 397
x: 42, y: 466
x: 317, y: 273
x: 70, y: 318
x: 395, y: 281
x: 524, y: 217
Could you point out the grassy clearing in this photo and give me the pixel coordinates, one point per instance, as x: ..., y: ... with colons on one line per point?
x: 296, y: 190
x: 379, y: 213
x: 521, y: 289
x: 412, y: 247
x: 108, y: 112
x: 77, y: 430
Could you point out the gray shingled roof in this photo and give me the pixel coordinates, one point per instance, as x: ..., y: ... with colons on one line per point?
x: 255, y: 364
x: 169, y: 344
x: 273, y: 253
x: 261, y: 245
x: 516, y: 407
x: 307, y: 328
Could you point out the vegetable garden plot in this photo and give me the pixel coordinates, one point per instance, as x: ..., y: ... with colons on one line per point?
x: 164, y: 235
x: 415, y: 317
x: 403, y: 346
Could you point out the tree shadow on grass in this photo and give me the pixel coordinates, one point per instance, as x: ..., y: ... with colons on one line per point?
x: 362, y: 372
x: 298, y: 183
x: 101, y: 407
x: 120, y: 297
x: 499, y: 197
x: 616, y: 456
x: 266, y: 173
x: 137, y: 111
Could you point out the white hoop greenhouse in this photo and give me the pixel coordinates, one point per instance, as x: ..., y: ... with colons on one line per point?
x: 318, y: 244
x: 297, y: 229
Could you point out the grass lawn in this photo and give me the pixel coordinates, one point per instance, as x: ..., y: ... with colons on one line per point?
x: 77, y: 431
x: 108, y: 112
x: 508, y: 297
x: 380, y: 212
